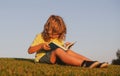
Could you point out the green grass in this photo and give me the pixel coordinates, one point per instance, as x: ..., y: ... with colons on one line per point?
x: 26, y: 67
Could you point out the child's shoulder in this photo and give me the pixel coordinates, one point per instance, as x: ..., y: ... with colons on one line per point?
x: 38, y: 35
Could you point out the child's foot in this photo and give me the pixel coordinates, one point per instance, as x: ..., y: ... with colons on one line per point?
x: 103, y: 65
x: 90, y: 64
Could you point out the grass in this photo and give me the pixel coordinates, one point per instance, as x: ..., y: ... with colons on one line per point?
x: 26, y: 67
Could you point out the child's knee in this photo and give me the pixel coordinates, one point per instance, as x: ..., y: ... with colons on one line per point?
x: 53, y: 61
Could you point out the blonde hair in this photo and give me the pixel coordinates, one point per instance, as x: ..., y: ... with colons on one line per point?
x: 54, y: 24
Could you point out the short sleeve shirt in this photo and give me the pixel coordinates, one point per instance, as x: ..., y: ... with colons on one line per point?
x: 38, y: 40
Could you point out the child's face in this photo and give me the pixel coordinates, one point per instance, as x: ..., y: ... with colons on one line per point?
x: 54, y: 35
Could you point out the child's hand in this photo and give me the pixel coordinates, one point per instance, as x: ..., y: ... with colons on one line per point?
x: 67, y: 43
x: 46, y: 46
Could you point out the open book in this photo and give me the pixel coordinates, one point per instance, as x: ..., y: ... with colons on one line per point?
x: 54, y: 45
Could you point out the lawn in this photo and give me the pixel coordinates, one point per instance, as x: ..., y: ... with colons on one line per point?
x: 26, y: 67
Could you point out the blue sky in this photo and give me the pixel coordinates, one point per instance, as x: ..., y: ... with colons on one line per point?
x: 94, y: 24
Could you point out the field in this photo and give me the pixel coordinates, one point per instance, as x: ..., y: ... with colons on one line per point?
x: 26, y: 67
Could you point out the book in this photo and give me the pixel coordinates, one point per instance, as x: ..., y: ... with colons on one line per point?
x: 54, y: 46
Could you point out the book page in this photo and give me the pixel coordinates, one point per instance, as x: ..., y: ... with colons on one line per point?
x: 54, y: 45
x: 71, y: 44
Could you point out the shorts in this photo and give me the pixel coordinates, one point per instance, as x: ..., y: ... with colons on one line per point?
x: 46, y: 59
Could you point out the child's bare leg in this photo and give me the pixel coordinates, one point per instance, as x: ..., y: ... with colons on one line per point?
x: 65, y: 57
x: 72, y: 53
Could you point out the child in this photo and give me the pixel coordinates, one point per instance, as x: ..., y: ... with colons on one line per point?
x: 55, y: 31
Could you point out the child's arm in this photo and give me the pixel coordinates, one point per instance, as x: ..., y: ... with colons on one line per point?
x: 33, y: 49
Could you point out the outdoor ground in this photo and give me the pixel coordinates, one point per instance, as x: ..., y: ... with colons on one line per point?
x: 26, y: 67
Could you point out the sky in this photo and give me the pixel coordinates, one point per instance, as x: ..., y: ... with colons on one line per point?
x: 94, y: 24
